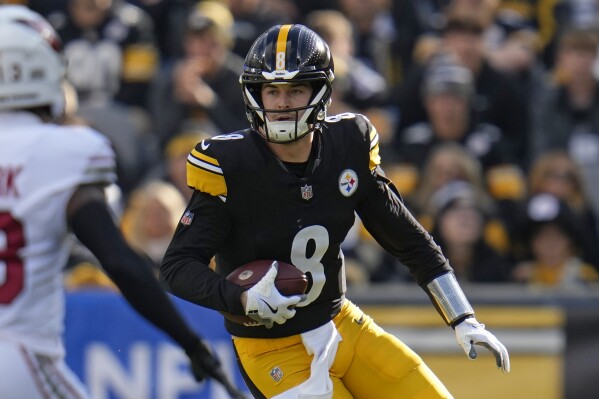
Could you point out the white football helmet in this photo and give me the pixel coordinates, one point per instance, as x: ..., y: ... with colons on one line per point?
x: 31, y: 64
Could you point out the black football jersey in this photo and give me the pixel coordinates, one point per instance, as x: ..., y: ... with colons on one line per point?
x: 261, y: 210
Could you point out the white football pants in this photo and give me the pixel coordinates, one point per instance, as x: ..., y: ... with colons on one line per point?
x: 26, y: 375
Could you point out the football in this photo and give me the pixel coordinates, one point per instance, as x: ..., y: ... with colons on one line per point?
x: 290, y: 281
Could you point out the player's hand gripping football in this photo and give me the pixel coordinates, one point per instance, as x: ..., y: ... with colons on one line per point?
x: 470, y: 332
x: 265, y: 303
x: 205, y: 364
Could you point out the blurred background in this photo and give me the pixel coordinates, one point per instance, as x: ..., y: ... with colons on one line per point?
x: 488, y: 113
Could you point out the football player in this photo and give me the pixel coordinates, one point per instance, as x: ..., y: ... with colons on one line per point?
x: 288, y: 189
x: 52, y: 179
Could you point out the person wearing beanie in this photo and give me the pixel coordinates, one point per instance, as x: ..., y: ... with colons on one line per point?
x: 550, y: 232
x: 460, y: 221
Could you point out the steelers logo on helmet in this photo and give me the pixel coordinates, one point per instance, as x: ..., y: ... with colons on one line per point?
x: 287, y: 54
x: 348, y: 182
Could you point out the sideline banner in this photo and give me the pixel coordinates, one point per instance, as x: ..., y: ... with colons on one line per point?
x: 119, y: 355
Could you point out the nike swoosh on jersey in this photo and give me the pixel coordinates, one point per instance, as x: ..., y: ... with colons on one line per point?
x: 274, y: 311
x: 204, y: 146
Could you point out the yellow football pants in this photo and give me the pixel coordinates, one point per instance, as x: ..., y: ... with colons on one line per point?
x: 369, y: 364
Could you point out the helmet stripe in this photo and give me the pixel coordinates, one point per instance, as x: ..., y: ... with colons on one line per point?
x: 280, y: 55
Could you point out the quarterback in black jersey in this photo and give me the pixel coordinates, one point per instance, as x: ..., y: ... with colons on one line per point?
x: 288, y: 189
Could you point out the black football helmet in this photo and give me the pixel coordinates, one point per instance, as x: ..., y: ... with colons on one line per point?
x: 285, y: 54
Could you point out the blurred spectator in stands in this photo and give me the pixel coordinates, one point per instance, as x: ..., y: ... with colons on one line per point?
x: 151, y: 216
x: 552, y: 257
x: 518, y: 57
x: 544, y: 16
x: 451, y: 162
x: 447, y: 92
x: 168, y: 17
x: 516, y: 16
x: 482, y: 11
x: 497, y: 100
x: 556, y: 173
x: 500, y: 18
x: 131, y: 135
x: 200, y: 92
x: 172, y: 169
x: 129, y: 132
x: 110, y: 49
x: 562, y: 16
x: 447, y: 163
x: 430, y: 13
x: 568, y: 116
x: 498, y: 21
x: 375, y: 32
x: 362, y: 87
x: 251, y: 18
x: 460, y: 218
x: 111, y: 58
x: 433, y: 14
x: 409, y: 25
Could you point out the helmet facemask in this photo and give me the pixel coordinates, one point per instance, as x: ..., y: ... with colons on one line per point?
x: 307, y: 118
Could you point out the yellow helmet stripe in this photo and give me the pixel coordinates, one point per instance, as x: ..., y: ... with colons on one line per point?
x: 282, y: 47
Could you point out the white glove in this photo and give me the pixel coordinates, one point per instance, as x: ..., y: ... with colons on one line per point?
x: 470, y: 332
x: 265, y: 303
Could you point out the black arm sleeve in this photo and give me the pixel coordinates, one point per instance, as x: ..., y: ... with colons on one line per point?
x: 93, y: 225
x: 185, y: 265
x: 392, y: 225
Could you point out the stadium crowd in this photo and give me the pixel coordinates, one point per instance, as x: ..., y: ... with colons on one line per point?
x: 487, y: 110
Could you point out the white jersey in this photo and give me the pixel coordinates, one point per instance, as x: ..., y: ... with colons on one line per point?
x: 41, y: 165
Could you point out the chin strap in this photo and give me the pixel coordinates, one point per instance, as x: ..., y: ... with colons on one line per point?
x: 449, y: 299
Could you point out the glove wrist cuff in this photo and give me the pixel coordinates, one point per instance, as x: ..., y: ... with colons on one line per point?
x: 251, y: 305
x: 457, y: 321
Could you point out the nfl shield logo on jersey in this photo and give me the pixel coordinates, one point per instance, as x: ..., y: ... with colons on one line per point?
x: 276, y: 373
x: 307, y: 192
x: 187, y: 218
x: 348, y: 182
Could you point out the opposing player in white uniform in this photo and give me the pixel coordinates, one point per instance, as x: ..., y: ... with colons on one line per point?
x: 52, y: 179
